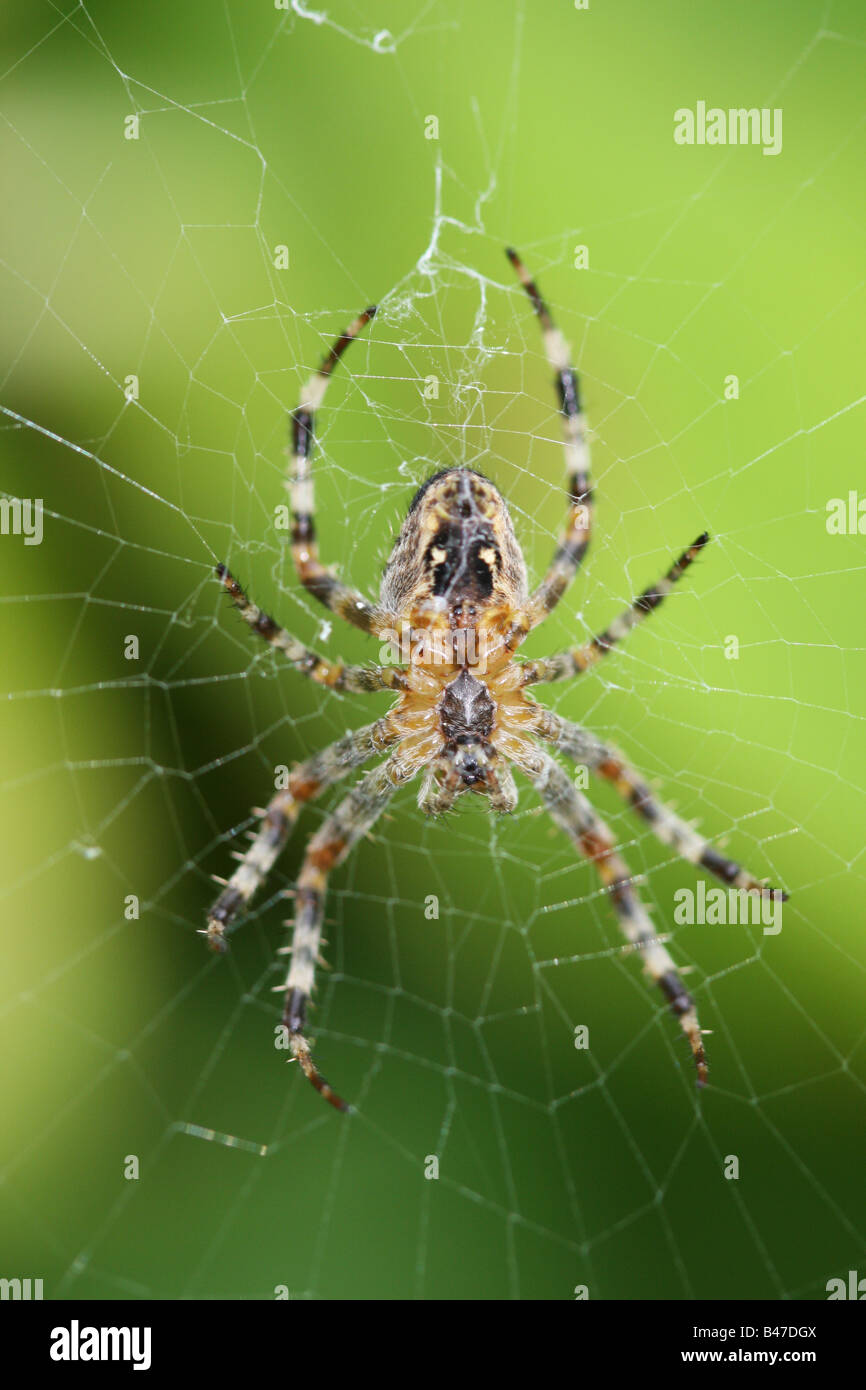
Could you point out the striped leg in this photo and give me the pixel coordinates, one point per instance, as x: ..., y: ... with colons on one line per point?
x: 574, y: 537
x: 579, y: 659
x: 571, y: 810
x: 320, y: 582
x: 333, y: 674
x: 328, y: 848
x: 306, y: 782
x: 583, y: 747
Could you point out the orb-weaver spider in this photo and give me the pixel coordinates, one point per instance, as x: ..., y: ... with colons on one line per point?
x: 462, y: 716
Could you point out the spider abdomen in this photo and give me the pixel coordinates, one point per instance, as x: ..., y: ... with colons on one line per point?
x: 456, y: 544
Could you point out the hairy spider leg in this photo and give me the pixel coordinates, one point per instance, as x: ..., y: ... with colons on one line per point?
x: 584, y: 748
x: 355, y: 679
x: 329, y: 846
x: 576, y: 660
x: 574, y: 538
x: 346, y: 602
x: 308, y: 780
x: 592, y: 838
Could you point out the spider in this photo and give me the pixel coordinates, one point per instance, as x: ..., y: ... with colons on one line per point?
x: 456, y: 577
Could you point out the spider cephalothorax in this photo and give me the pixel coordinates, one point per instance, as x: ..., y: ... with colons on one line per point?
x: 455, y: 601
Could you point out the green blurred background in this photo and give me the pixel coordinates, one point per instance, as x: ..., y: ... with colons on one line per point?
x: 154, y: 258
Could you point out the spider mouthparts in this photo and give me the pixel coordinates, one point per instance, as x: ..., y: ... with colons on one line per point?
x: 371, y: 311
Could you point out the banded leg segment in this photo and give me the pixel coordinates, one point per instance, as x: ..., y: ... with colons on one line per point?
x: 583, y: 747
x: 574, y: 537
x: 356, y: 679
x: 306, y: 782
x: 589, y: 834
x: 328, y: 848
x: 314, y: 576
x: 579, y: 659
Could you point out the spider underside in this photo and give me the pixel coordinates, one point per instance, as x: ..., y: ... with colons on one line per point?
x: 457, y: 582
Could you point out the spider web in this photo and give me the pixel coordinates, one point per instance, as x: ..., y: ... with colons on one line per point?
x: 152, y: 347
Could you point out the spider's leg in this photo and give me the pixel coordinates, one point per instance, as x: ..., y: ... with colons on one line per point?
x: 314, y: 576
x: 331, y: 673
x: 573, y: 812
x: 574, y: 537
x: 583, y: 747
x: 307, y: 781
x: 328, y: 847
x: 502, y: 789
x: 574, y: 662
x: 440, y: 787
